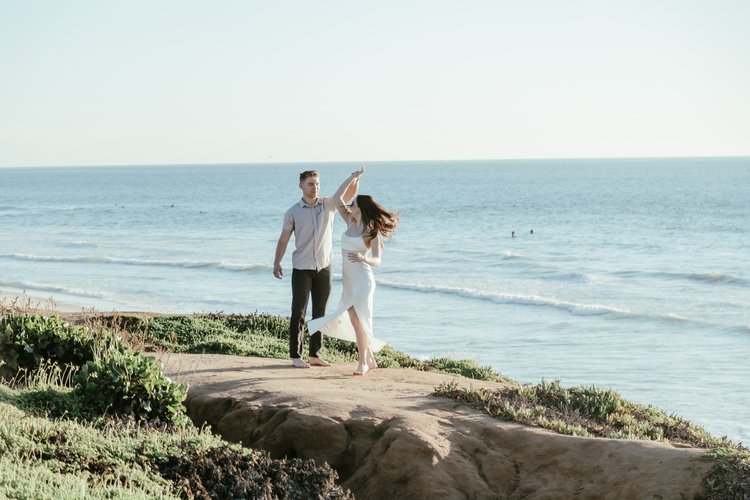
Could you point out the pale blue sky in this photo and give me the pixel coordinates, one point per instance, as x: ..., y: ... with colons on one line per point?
x: 147, y: 82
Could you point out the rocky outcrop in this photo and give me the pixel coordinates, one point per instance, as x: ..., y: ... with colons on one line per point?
x: 389, y: 438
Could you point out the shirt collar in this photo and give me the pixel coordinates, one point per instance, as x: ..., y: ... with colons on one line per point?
x: 303, y: 204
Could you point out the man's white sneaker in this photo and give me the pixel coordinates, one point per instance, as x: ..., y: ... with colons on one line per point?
x: 299, y: 363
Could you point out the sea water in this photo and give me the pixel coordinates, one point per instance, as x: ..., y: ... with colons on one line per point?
x: 628, y: 274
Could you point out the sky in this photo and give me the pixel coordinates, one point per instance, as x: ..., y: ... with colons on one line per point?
x: 177, y: 81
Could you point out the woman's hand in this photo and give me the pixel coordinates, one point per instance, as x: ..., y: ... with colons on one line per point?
x: 358, y: 173
x: 357, y: 257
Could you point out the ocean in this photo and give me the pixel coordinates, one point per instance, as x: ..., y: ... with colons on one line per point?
x: 631, y: 274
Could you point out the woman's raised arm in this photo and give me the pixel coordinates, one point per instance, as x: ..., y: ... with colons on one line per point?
x: 338, y: 196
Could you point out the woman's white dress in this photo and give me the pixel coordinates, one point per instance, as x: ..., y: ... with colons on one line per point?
x: 359, y: 287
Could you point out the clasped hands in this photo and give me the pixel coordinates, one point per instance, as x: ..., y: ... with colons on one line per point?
x: 356, y: 257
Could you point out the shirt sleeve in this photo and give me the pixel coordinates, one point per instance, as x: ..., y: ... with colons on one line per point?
x: 288, y: 221
x: 329, y: 204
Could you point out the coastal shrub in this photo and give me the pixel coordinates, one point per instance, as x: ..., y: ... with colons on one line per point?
x: 230, y: 472
x: 591, y: 402
x: 729, y: 478
x: 181, y: 333
x: 465, y: 368
x: 256, y: 323
x: 110, y: 377
x: 130, y: 328
x: 132, y: 385
x: 28, y: 339
x: 580, y: 411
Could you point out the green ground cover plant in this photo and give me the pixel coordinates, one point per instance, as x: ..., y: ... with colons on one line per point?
x: 730, y: 476
x: 43, y: 457
x: 580, y: 411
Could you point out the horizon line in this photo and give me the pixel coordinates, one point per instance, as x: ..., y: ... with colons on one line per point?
x: 330, y: 162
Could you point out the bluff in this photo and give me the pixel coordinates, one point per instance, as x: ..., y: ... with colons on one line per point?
x: 388, y: 437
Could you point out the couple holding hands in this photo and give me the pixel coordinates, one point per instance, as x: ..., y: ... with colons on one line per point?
x: 311, y: 222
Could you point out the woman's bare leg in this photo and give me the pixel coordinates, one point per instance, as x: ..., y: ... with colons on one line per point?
x: 362, y: 342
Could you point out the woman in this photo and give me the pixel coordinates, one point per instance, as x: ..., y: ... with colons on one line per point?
x: 362, y: 247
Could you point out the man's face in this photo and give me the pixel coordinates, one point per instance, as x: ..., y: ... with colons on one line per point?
x: 310, y: 187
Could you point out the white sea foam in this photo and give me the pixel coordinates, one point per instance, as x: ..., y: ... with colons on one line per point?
x: 42, y: 287
x: 94, y: 259
x: 575, y: 308
x: 511, y: 298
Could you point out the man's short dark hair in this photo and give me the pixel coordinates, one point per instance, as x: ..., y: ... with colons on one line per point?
x: 308, y: 173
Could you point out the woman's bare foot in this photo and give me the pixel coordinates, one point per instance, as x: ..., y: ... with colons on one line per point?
x: 361, y: 369
x: 371, y: 363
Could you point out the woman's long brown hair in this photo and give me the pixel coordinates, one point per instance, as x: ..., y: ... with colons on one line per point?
x: 375, y: 218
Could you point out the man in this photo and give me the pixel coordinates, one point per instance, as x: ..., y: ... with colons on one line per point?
x: 311, y: 221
